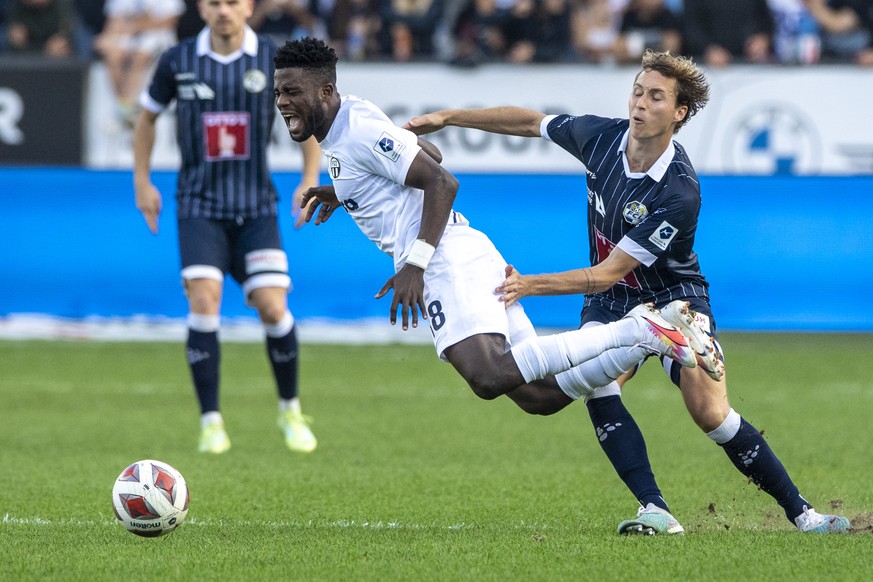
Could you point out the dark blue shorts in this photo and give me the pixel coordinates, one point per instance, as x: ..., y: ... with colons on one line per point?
x: 241, y: 248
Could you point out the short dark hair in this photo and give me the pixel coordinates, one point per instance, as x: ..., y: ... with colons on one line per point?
x: 310, y: 54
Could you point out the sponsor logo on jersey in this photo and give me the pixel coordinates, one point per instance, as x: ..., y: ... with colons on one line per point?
x: 389, y: 147
x: 192, y: 91
x: 334, y: 167
x: 663, y: 235
x: 634, y: 212
x: 226, y: 136
x: 598, y: 205
x: 254, y: 81
x: 604, y: 247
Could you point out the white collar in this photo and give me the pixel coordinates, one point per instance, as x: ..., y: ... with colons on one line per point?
x: 658, y: 169
x: 249, y: 46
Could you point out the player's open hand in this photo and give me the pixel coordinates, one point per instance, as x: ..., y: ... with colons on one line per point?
x: 408, y: 287
x: 148, y: 201
x: 298, y: 209
x: 321, y: 200
x: 427, y: 123
x: 514, y: 286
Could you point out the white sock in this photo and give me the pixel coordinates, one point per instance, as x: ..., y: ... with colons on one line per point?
x: 548, y: 355
x: 727, y: 429
x: 203, y: 323
x: 611, y: 389
x: 282, y: 328
x: 584, y: 379
x: 210, y: 418
x: 292, y: 404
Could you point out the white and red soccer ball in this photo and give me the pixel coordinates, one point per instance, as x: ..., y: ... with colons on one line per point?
x: 150, y: 498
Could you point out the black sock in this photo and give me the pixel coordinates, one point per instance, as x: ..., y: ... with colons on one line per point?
x: 282, y: 352
x: 204, y: 357
x: 621, y: 440
x: 754, y: 458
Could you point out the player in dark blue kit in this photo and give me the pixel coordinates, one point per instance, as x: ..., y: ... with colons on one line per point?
x: 643, y: 204
x: 221, y: 82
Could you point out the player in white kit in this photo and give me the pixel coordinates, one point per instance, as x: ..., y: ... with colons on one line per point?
x: 392, y: 185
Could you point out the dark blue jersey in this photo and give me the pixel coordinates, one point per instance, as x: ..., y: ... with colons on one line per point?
x: 651, y: 216
x: 224, y: 115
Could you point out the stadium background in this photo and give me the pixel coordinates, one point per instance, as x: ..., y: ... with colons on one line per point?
x: 785, y: 158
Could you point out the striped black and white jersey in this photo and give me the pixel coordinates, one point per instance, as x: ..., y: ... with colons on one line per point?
x: 651, y: 216
x: 224, y: 115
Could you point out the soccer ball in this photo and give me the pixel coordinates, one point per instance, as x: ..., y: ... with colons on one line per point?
x: 150, y: 498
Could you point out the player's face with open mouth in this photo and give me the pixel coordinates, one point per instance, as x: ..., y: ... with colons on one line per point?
x: 298, y: 100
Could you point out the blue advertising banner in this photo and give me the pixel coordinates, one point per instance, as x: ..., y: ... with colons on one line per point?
x: 781, y: 253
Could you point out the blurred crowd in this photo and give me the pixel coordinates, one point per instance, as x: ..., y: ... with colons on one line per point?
x: 129, y: 34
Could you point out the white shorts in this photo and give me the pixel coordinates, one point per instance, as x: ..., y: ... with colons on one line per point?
x: 459, y: 295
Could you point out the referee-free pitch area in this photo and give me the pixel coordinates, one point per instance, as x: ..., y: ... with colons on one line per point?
x: 414, y: 477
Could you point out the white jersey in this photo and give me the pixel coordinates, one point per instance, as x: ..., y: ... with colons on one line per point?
x: 368, y: 159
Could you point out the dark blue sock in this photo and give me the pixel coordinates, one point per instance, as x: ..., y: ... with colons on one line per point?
x: 282, y: 352
x: 751, y: 454
x: 204, y: 357
x: 621, y: 440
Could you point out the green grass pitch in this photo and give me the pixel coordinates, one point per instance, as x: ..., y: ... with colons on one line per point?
x: 415, y: 478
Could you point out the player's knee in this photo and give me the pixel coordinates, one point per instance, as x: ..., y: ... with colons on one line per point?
x: 272, y: 313
x: 485, y: 386
x: 709, y: 417
x: 203, y: 302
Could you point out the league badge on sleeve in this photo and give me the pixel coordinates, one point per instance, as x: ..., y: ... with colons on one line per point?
x: 663, y: 235
x: 389, y: 147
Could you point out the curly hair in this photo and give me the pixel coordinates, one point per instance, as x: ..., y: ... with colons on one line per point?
x: 692, y: 88
x: 310, y: 54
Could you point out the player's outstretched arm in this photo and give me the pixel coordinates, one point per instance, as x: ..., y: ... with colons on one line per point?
x: 308, y: 178
x: 148, y: 198
x: 598, y: 278
x: 508, y: 120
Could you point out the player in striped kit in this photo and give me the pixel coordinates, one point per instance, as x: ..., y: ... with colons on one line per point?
x: 221, y: 81
x: 392, y: 185
x: 643, y: 204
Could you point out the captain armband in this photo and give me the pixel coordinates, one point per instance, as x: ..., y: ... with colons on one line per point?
x: 420, y: 254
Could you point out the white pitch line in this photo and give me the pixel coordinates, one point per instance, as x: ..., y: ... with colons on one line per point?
x: 338, y: 524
